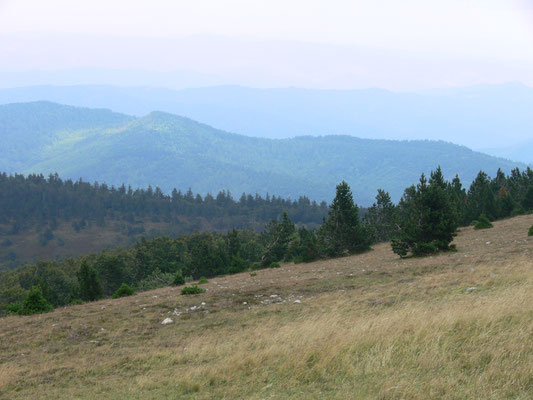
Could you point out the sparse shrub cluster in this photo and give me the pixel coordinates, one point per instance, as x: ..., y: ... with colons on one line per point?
x: 123, y: 291
x: 482, y: 223
x: 530, y: 232
x: 192, y: 290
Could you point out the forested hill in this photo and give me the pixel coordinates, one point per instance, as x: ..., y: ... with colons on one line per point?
x: 48, y: 218
x: 169, y: 151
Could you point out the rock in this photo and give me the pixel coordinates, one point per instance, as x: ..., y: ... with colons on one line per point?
x: 244, y: 302
x: 297, y: 301
x: 167, y: 321
x: 487, y: 243
x: 471, y: 289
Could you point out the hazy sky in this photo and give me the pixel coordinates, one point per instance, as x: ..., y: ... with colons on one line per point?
x: 336, y: 43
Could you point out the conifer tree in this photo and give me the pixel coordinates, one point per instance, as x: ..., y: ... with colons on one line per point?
x: 89, y: 283
x: 427, y: 218
x: 342, y: 231
x: 381, y: 217
x: 35, y: 303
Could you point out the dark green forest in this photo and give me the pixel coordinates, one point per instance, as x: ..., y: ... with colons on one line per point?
x: 424, y: 221
x: 35, y: 205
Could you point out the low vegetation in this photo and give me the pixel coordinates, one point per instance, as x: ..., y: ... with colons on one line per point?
x: 194, y: 289
x: 123, y: 291
x: 482, y: 223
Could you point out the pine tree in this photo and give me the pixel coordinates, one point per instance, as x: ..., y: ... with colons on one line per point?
x: 35, y: 303
x: 277, y: 236
x: 381, y: 217
x: 89, y: 283
x: 342, y: 231
x: 427, y: 218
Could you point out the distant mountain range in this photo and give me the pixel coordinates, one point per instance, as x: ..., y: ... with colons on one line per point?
x: 487, y: 118
x: 170, y: 151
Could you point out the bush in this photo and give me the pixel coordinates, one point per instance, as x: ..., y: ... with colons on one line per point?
x: 423, y: 248
x: 123, y: 291
x: 252, y: 274
x: 35, y: 303
x: 178, y: 279
x: 256, y: 265
x: 14, y: 309
x: 483, y: 223
x: 530, y: 233
x: 274, y: 265
x: 238, y: 264
x: 192, y: 290
x: 202, y: 279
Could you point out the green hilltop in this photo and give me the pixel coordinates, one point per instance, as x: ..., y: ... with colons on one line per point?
x: 171, y: 151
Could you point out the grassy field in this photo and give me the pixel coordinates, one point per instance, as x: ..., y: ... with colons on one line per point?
x: 452, y: 326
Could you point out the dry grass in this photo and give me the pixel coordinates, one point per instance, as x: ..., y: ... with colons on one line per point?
x: 367, y: 327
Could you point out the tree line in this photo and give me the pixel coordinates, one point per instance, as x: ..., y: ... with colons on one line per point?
x: 424, y: 221
x: 32, y: 200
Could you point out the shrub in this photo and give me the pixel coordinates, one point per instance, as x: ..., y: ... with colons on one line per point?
x: 530, y: 233
x: 483, y: 222
x: 14, y: 309
x: 274, y: 265
x: 123, y: 291
x: 238, y: 264
x: 252, y: 274
x: 35, y: 303
x: 192, y: 290
x: 256, y: 266
x: 178, y: 279
x: 424, y: 248
x: 202, y: 279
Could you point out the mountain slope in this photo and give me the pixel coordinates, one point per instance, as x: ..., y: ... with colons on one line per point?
x: 171, y: 151
x: 483, y: 116
x: 452, y: 326
x: 28, y: 129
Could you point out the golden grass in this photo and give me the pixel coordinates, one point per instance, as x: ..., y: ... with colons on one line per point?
x: 368, y: 327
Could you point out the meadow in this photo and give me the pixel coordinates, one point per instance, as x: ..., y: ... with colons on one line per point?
x: 457, y: 325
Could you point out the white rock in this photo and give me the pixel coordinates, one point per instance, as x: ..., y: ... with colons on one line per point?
x: 297, y: 301
x: 244, y: 302
x: 167, y: 321
x: 471, y: 289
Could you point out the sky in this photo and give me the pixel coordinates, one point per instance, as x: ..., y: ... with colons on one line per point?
x: 342, y: 44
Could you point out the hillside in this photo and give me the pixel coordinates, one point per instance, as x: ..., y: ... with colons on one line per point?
x: 483, y: 116
x: 50, y: 218
x: 169, y: 151
x: 454, y: 325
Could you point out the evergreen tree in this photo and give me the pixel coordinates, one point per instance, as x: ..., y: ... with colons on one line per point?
x: 342, y: 231
x: 381, y: 217
x: 35, y: 303
x: 276, y: 238
x: 89, y: 283
x: 527, y: 201
x: 427, y: 218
